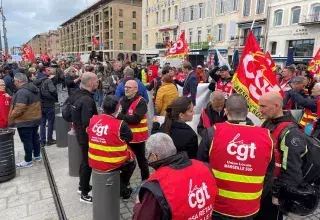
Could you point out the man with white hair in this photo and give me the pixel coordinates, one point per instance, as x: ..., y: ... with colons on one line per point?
x: 180, y: 188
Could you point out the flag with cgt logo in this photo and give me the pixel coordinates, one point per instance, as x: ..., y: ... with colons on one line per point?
x: 314, y: 64
x: 179, y: 49
x: 254, y: 76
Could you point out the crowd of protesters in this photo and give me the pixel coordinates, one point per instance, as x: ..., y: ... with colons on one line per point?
x: 226, y: 184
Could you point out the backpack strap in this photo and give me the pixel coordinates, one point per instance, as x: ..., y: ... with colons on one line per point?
x: 280, y: 131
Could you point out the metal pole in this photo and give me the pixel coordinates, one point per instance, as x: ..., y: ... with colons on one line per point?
x: 4, y: 30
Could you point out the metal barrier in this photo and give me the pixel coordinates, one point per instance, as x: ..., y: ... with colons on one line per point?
x: 7, y: 159
x: 63, y: 127
x: 74, y: 154
x: 106, y: 195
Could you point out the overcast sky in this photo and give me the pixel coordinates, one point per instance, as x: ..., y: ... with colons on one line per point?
x: 26, y: 18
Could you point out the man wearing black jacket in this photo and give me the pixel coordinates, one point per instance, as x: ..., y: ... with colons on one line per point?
x: 222, y: 80
x: 292, y: 148
x: 49, y: 96
x: 133, y: 118
x: 85, y: 108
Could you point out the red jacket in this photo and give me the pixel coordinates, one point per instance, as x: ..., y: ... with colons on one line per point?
x: 5, y: 101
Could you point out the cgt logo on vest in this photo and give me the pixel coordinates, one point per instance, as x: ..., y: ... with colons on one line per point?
x: 198, y: 196
x: 243, y: 151
x: 100, y: 129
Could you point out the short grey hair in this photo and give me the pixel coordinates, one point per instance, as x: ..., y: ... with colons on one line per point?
x: 128, y: 72
x: 21, y: 77
x: 299, y: 79
x: 217, y: 95
x: 86, y: 78
x: 237, y: 107
x: 161, y: 145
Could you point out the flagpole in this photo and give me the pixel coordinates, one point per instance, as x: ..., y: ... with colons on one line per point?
x: 252, y: 24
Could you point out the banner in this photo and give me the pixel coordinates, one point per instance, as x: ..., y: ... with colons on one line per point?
x: 254, y: 76
x: 271, y: 62
x: 27, y: 53
x: 314, y: 64
x: 179, y: 48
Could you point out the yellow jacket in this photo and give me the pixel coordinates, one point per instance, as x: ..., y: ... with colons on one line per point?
x: 165, y: 95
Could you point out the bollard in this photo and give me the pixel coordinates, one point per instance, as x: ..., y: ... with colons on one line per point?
x: 63, y: 127
x: 106, y: 195
x: 7, y: 165
x: 74, y: 154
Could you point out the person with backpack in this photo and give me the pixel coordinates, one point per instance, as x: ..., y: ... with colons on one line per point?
x: 289, y: 154
x: 49, y: 96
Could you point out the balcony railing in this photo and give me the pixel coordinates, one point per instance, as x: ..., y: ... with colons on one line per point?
x: 199, y: 46
x: 311, y: 19
x: 160, y: 45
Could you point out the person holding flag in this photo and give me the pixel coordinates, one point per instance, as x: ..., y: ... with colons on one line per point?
x: 222, y: 80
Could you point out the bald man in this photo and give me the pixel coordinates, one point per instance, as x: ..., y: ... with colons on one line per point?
x: 85, y: 108
x: 288, y: 163
x: 213, y: 113
x: 133, y: 111
x: 239, y: 154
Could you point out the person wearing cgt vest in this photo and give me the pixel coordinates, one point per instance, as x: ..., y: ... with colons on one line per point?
x: 179, y: 189
x: 240, y: 156
x: 222, y: 81
x: 133, y: 110
x: 108, y: 145
x: 213, y: 113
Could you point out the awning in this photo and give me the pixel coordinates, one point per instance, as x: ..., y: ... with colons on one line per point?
x: 149, y: 51
x: 170, y: 28
x: 221, y: 50
x: 246, y: 24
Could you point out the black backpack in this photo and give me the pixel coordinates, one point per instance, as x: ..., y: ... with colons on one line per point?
x: 311, y: 161
x: 68, y: 106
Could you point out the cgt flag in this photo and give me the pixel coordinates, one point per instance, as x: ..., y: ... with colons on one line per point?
x: 314, y: 64
x: 179, y: 49
x: 254, y: 76
x: 271, y: 62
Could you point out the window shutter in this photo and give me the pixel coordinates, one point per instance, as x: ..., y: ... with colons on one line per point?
x: 223, y: 32
x: 195, y: 12
x: 187, y: 14
x: 210, y: 8
x: 232, y: 29
x: 204, y: 10
x: 261, y: 5
x: 246, y: 8
x: 227, y: 7
x: 215, y: 33
x: 181, y: 16
x: 218, y: 7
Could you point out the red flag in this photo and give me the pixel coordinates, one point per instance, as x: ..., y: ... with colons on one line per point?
x: 254, y: 76
x: 314, y: 64
x: 95, y: 41
x: 180, y: 48
x: 27, y: 53
x: 271, y: 62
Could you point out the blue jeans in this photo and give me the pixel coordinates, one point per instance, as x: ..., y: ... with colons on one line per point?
x: 30, y: 139
x: 48, y: 114
x: 98, y: 97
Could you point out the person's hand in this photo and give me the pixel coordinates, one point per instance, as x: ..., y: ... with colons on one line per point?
x: 155, y: 119
x: 275, y: 201
x: 137, y: 199
x: 52, y: 76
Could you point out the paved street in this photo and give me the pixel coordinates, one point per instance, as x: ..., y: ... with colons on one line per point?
x: 28, y: 196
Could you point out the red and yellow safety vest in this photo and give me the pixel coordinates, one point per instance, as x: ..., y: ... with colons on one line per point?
x: 226, y: 89
x: 307, y: 117
x: 107, y: 151
x: 190, y: 192
x: 139, y: 131
x: 239, y: 158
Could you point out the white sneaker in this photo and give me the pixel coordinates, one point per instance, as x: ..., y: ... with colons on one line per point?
x: 24, y: 164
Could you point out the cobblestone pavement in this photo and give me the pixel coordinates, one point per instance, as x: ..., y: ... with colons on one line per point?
x: 28, y: 196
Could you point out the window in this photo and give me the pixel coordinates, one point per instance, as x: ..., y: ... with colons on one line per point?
x: 163, y: 15
x: 134, y: 25
x: 175, y: 33
x: 220, y: 32
x: 209, y: 31
x: 315, y: 10
x: 295, y: 15
x: 120, y: 24
x: 260, y: 6
x: 157, y: 17
x: 273, y: 48
x: 121, y: 46
x: 191, y: 13
x: 246, y: 7
x: 199, y: 36
x: 169, y: 14
x: 120, y: 13
x: 176, y: 15
x: 302, y: 48
x: 256, y: 32
x: 147, y: 40
x: 278, y: 17
x: 134, y: 14
x: 233, y: 30
x: 134, y: 36
x: 190, y: 36
x: 157, y: 37
x: 134, y: 47
x: 201, y: 10
x: 147, y: 20
x: 120, y: 35
x: 221, y: 6
x: 234, y: 6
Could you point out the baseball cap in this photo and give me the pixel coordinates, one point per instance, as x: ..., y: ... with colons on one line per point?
x: 199, y: 66
x: 224, y: 68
